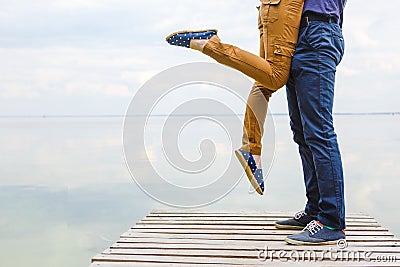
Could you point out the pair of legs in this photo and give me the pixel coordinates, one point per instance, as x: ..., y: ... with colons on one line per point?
x: 310, y: 94
x: 278, y: 22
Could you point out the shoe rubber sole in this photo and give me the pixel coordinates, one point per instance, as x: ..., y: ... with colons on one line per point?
x: 188, y: 31
x: 288, y: 227
x: 303, y: 243
x: 249, y: 174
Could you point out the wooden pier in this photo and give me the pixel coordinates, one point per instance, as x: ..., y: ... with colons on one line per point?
x: 243, y: 238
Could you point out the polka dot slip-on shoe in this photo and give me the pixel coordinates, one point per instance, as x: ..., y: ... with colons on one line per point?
x: 182, y: 38
x: 255, y: 175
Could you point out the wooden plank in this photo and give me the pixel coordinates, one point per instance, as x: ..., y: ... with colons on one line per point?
x: 262, y: 219
x: 240, y: 227
x: 242, y: 254
x: 256, y: 243
x: 351, y: 243
x: 244, y: 237
x: 261, y: 223
x: 240, y: 218
x: 274, y: 246
x: 246, y: 254
x: 248, y: 232
x: 244, y: 216
x: 174, y: 259
x: 137, y: 264
x: 274, y: 263
x: 241, y: 213
x: 199, y: 259
x: 152, y: 264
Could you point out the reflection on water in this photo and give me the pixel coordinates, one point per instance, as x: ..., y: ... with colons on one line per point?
x: 66, y: 193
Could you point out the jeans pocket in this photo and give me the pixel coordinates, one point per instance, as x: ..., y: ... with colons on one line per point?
x: 338, y: 41
x: 316, y: 36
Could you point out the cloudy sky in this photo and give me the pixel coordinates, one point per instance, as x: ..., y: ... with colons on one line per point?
x: 89, y: 57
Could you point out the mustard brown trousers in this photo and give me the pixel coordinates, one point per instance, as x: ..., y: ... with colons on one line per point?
x: 278, y: 22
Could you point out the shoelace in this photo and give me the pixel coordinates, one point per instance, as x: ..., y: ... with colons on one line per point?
x: 300, y: 214
x: 313, y: 227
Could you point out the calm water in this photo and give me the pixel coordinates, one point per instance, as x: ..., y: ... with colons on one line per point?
x: 66, y: 193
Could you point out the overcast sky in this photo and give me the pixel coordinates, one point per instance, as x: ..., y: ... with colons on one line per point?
x: 89, y: 57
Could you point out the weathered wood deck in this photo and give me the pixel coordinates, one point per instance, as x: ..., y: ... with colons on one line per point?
x: 209, y: 238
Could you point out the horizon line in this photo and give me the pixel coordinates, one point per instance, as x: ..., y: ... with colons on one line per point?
x: 181, y: 115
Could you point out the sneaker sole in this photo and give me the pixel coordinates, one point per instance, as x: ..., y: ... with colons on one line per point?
x: 303, y: 243
x: 187, y: 31
x: 289, y: 227
x: 249, y: 174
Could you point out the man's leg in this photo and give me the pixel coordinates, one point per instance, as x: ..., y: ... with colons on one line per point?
x: 314, y: 67
x: 302, y: 218
x: 310, y: 178
x: 319, y: 51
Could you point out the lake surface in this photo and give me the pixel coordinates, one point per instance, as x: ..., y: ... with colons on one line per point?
x: 66, y: 193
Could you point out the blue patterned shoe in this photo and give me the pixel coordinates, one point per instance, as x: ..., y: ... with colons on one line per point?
x: 255, y: 175
x: 182, y: 38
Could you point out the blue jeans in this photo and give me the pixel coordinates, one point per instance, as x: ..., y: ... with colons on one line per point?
x: 310, y: 94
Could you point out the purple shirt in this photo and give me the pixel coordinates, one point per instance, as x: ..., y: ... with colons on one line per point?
x: 332, y: 8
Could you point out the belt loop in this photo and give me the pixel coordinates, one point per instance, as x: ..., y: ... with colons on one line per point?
x: 307, y: 22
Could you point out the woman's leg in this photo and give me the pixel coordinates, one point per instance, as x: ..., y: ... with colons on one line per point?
x: 280, y: 21
x: 253, y: 128
x: 256, y: 111
x: 257, y: 103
